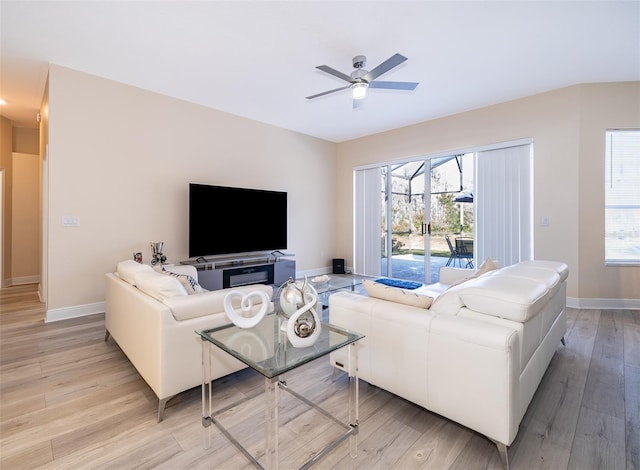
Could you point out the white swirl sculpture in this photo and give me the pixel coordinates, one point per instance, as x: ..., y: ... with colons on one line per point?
x: 241, y: 320
x: 299, y: 300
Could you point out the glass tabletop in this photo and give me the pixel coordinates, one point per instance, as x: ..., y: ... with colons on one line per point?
x: 336, y: 283
x: 265, y: 347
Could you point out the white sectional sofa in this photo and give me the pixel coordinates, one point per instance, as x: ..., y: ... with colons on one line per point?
x: 475, y: 356
x: 153, y: 318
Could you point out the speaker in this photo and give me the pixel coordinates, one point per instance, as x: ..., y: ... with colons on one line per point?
x: 338, y: 266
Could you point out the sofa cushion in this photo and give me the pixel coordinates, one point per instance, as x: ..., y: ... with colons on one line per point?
x: 414, y: 298
x: 449, y: 302
x: 158, y: 285
x: 127, y: 270
x: 505, y: 296
x: 561, y: 268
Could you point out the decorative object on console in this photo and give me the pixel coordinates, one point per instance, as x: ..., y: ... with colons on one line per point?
x: 299, y: 301
x: 321, y: 281
x: 246, y: 306
x: 137, y: 257
x: 157, y: 257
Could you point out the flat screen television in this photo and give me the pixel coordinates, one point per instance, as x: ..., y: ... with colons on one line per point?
x: 225, y: 220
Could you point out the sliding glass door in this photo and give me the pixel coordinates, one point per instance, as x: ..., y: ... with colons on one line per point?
x: 405, y: 221
x: 410, y: 206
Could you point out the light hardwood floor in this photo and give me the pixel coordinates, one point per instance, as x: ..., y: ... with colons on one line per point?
x: 70, y: 400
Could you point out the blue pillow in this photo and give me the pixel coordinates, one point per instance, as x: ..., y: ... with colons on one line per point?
x: 399, y: 283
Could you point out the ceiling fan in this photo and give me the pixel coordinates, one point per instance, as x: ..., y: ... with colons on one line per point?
x: 360, y: 79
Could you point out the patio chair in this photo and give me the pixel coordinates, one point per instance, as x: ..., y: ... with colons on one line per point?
x: 452, y: 257
x: 464, y: 250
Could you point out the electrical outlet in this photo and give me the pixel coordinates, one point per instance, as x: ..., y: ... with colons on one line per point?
x: 544, y: 221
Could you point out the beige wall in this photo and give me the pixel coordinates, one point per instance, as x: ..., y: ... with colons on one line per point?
x: 25, y: 140
x: 120, y: 158
x: 602, y: 107
x: 567, y: 127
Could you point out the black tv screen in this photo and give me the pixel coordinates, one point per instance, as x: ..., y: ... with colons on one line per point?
x: 225, y: 220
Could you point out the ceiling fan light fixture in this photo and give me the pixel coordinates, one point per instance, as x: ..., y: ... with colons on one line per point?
x: 359, y: 90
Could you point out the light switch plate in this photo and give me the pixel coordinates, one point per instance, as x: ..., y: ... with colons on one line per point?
x: 71, y: 221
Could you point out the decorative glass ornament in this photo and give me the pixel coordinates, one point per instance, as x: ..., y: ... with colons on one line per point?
x: 299, y: 302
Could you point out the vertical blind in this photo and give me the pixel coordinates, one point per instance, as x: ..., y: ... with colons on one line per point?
x: 503, y: 190
x: 622, y: 197
x: 367, y: 221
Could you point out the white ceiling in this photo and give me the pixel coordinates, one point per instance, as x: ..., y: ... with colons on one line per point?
x: 257, y: 59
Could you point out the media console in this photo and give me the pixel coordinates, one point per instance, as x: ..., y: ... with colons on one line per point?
x: 233, y: 271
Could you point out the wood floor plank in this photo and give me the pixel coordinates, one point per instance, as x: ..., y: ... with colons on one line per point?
x: 632, y: 344
x: 599, y: 442
x: 68, y: 400
x: 632, y: 416
x: 604, y: 389
x: 437, y: 447
x: 546, y: 436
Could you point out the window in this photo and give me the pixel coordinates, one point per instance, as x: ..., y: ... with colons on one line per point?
x: 622, y: 198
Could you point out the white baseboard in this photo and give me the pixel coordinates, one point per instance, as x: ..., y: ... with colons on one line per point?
x: 312, y: 273
x: 604, y: 304
x: 65, y: 313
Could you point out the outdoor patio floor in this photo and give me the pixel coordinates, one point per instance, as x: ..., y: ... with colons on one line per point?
x: 411, y: 267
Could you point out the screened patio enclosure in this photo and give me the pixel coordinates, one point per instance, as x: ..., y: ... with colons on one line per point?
x: 417, y: 210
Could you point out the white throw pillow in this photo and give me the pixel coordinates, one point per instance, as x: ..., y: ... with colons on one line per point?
x: 395, y: 294
x: 190, y: 284
x: 158, y: 285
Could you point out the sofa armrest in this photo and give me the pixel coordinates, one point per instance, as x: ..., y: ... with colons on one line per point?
x: 473, y: 369
x: 134, y: 320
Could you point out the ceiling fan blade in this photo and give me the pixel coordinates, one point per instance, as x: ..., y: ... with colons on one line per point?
x: 384, y: 67
x: 335, y: 73
x: 328, y: 92
x: 394, y: 85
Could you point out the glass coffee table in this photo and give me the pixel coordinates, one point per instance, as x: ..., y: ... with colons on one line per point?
x: 266, y: 350
x: 336, y: 283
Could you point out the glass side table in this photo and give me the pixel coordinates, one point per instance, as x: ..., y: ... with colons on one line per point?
x: 266, y: 350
